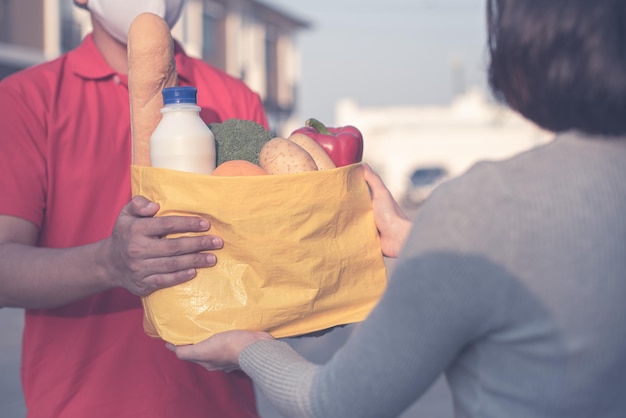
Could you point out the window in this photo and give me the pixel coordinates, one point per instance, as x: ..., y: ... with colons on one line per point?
x: 271, y: 68
x: 209, y: 25
x: 5, y: 21
x: 70, y: 34
x: 214, y: 33
x: 422, y: 182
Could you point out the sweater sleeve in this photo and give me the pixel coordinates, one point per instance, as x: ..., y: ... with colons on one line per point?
x: 284, y: 376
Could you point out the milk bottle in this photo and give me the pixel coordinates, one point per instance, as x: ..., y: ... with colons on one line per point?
x: 181, y: 140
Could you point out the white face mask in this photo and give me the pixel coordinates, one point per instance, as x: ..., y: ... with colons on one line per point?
x: 115, y: 16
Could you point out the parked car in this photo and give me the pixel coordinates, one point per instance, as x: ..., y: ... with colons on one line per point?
x: 422, y: 182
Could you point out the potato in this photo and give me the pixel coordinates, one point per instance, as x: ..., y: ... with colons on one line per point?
x: 281, y: 156
x: 321, y: 158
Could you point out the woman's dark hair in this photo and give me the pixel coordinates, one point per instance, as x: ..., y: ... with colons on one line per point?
x: 561, y: 63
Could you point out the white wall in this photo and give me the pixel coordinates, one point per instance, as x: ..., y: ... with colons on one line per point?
x: 397, y: 140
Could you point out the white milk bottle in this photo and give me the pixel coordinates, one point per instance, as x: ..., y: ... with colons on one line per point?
x: 181, y: 140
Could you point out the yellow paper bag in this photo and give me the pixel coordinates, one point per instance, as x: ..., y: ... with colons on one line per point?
x: 301, y: 253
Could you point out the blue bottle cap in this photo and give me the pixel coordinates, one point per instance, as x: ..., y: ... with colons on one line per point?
x: 180, y: 94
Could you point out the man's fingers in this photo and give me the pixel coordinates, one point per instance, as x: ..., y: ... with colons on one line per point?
x: 156, y: 248
x: 166, y: 225
x: 171, y: 265
x: 141, y: 207
x: 171, y: 271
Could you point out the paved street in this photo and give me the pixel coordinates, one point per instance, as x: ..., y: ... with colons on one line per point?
x: 11, y: 399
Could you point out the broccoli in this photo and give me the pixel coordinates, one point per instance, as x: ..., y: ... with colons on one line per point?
x: 237, y: 139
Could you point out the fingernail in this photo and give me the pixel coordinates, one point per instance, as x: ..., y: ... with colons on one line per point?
x: 216, y: 242
x: 204, y: 224
x: 211, y: 259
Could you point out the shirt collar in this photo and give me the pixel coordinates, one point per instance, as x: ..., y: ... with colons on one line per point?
x: 87, y: 62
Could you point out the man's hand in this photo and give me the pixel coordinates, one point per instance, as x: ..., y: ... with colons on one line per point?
x: 140, y: 258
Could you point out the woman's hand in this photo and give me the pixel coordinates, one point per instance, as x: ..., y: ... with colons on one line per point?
x: 393, y: 225
x: 219, y: 352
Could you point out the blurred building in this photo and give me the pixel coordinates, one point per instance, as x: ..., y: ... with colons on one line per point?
x: 415, y: 148
x: 247, y: 38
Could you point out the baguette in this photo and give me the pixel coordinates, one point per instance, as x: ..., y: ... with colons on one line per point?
x: 151, y: 68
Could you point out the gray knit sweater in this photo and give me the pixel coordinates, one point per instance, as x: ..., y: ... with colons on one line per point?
x: 512, y: 283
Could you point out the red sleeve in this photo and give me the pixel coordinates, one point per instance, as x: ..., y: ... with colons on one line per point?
x: 258, y: 112
x: 23, y: 144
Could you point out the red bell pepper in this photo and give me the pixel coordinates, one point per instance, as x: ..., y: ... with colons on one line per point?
x: 343, y: 145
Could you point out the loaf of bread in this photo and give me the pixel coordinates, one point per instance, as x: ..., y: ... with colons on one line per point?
x: 151, y: 68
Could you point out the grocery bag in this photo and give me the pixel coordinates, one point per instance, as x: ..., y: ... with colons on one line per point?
x: 301, y: 253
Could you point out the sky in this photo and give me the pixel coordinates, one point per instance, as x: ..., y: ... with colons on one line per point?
x: 387, y: 53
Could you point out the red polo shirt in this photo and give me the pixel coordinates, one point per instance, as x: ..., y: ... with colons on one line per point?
x: 64, y: 165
